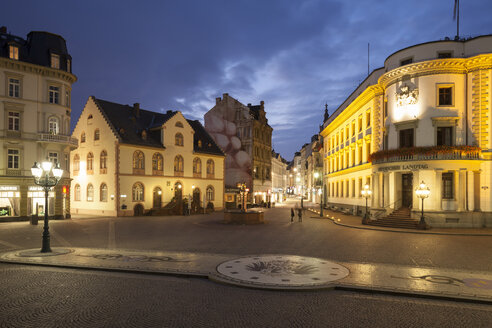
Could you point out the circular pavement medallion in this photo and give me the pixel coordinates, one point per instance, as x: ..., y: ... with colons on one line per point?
x: 281, y: 271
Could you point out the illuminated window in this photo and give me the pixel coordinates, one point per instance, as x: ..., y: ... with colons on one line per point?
x: 103, y: 159
x: 14, y: 52
x: 90, y: 193
x: 178, y: 164
x: 76, y: 195
x: 54, y: 94
x: 157, y: 162
x: 138, y: 192
x: 90, y: 163
x: 178, y: 139
x: 197, y: 166
x: 445, y: 96
x: 96, y: 134
x: 82, y: 137
x: 103, y: 193
x: 55, y: 61
x: 76, y: 163
x: 210, y: 193
x: 14, y: 88
x: 138, y: 160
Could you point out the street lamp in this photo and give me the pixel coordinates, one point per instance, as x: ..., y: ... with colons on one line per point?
x: 366, y: 193
x: 41, y: 173
x: 422, y: 192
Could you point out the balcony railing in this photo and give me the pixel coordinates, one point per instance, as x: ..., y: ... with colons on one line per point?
x: 48, y: 137
x: 427, y: 153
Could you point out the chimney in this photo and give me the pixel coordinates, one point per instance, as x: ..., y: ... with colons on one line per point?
x: 136, y: 109
x: 262, y: 105
x: 225, y: 95
x: 3, y: 29
x: 217, y: 100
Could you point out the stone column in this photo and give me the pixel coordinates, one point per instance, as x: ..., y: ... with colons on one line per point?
x: 438, y: 190
x: 392, y: 189
x: 375, y: 191
x: 471, y: 191
x: 461, y: 189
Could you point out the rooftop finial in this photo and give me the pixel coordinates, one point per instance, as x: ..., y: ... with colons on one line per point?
x: 325, y: 118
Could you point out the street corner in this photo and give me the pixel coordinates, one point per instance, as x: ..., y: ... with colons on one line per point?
x: 281, y: 272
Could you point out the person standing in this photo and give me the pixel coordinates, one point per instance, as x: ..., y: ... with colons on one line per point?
x: 292, y: 215
x: 299, y: 214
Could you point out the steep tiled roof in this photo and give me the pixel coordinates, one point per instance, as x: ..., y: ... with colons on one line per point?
x: 208, y: 145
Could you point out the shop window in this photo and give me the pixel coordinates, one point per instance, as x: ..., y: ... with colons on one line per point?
x: 178, y: 139
x: 210, y: 193
x: 14, y: 87
x: 76, y: 194
x: 13, y: 52
x: 90, y: 193
x: 448, y: 185
x: 54, y: 94
x: 14, y: 121
x: 445, y: 95
x: 103, y: 193
x: 138, y: 192
x: 445, y: 136
x: 13, y: 158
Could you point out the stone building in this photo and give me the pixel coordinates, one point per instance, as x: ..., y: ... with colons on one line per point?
x: 244, y: 135
x: 35, y: 89
x: 423, y: 117
x: 131, y: 161
x: 279, y: 178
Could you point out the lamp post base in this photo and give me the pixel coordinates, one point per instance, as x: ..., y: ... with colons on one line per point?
x: 422, y: 224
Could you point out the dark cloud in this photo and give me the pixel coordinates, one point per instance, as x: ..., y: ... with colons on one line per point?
x: 294, y: 55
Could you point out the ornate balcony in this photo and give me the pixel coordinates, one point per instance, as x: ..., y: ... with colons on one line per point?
x: 58, y: 138
x: 426, y: 154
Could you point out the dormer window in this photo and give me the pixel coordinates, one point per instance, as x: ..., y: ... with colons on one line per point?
x: 406, y: 61
x: 14, y: 52
x: 179, y: 124
x: 55, y: 61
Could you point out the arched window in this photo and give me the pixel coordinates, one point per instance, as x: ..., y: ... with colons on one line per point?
x: 90, y: 193
x: 90, y: 162
x: 138, y: 160
x: 138, y: 192
x: 210, y: 168
x: 53, y: 126
x: 76, y: 163
x: 179, y: 124
x: 210, y: 193
x: 178, y: 165
x: 76, y: 195
x: 197, y: 166
x: 82, y: 137
x: 96, y: 134
x: 178, y: 139
x: 157, y: 164
x: 102, y: 161
x: 103, y: 193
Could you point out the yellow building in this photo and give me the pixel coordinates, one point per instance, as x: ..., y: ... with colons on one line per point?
x: 131, y: 161
x: 35, y: 89
x: 423, y: 117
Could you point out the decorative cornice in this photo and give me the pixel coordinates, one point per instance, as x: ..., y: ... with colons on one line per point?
x: 37, y: 69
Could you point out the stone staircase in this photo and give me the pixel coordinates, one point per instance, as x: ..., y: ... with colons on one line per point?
x: 397, y: 219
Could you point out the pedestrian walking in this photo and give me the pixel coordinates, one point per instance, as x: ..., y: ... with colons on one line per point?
x: 291, y: 215
x: 299, y: 214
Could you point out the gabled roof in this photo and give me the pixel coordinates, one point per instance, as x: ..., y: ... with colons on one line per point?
x: 129, y: 125
x: 208, y: 145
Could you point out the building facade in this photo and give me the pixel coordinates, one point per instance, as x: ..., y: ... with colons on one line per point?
x: 130, y: 161
x: 423, y: 117
x: 35, y: 89
x: 244, y: 135
x: 279, y: 178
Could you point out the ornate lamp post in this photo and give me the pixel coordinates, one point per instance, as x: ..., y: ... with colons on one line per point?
x: 41, y: 173
x: 366, y: 193
x: 422, y: 192
x: 320, y: 193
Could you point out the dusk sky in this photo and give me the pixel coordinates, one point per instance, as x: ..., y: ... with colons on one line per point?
x: 181, y: 55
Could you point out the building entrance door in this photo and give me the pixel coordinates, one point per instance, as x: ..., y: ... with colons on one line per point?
x: 407, y: 190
